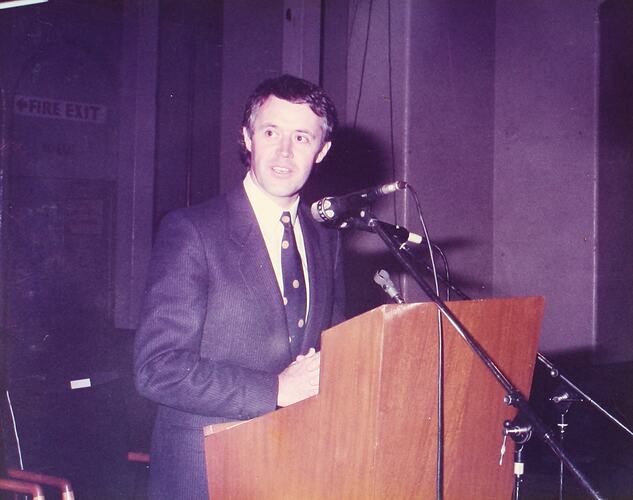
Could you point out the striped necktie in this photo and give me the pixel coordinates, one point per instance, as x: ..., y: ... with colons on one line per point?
x: 294, y: 286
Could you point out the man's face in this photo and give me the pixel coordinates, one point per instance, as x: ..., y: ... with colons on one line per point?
x: 285, y: 144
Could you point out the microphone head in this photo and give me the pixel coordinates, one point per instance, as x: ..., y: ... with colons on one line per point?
x: 319, y: 212
x: 315, y: 211
x: 382, y: 277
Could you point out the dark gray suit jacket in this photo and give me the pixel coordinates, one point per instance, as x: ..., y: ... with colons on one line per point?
x: 213, y: 335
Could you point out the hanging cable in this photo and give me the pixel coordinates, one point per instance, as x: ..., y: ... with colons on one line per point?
x: 15, y: 431
x: 392, y: 151
x: 439, y: 476
x: 364, y: 62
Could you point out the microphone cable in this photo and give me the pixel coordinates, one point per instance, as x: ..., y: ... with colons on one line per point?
x: 439, y: 474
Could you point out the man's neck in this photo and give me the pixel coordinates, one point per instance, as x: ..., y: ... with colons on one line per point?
x: 285, y: 204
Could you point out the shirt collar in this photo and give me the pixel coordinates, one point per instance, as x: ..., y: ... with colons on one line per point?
x: 266, y: 210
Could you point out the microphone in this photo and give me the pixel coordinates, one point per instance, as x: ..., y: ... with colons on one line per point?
x: 560, y: 397
x: 336, y: 207
x: 384, y: 281
x: 565, y: 396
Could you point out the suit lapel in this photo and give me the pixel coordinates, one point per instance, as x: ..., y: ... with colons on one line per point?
x: 254, y: 262
x: 318, y: 280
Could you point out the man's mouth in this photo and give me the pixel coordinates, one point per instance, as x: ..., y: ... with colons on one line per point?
x: 281, y: 170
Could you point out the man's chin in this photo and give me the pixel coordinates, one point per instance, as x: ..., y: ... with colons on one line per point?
x: 283, y: 198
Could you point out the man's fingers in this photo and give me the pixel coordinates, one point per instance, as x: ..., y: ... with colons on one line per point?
x: 309, y: 354
x: 313, y: 362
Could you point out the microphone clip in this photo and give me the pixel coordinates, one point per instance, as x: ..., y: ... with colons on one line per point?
x: 367, y: 222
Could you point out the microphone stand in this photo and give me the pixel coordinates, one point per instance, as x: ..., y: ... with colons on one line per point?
x: 513, y: 395
x: 562, y: 403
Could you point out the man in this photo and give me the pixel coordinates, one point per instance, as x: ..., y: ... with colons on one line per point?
x: 214, y: 343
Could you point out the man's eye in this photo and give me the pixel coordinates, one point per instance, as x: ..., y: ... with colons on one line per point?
x: 269, y: 133
x: 302, y: 138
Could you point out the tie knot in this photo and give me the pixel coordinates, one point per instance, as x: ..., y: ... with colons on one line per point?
x: 285, y: 218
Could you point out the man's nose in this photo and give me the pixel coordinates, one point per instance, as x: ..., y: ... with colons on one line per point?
x: 285, y: 147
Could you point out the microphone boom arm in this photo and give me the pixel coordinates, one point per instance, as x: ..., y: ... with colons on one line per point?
x: 513, y: 395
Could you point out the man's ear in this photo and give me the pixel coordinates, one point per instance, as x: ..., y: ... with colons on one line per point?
x: 247, y: 139
x: 323, y: 152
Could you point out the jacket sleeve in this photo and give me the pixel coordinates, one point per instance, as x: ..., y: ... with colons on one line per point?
x: 168, y: 366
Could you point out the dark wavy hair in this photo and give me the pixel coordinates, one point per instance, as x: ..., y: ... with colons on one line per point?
x: 293, y: 89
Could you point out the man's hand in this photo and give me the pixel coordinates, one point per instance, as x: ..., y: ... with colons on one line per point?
x: 300, y: 380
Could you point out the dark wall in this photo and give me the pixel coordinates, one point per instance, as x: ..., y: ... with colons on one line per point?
x: 189, y: 96
x: 615, y: 178
x: 64, y: 116
x: 251, y: 52
x: 420, y: 94
x: 451, y: 133
x: 544, y: 206
x: 60, y: 79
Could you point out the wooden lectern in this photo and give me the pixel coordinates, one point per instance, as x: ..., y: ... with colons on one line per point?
x: 370, y: 433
